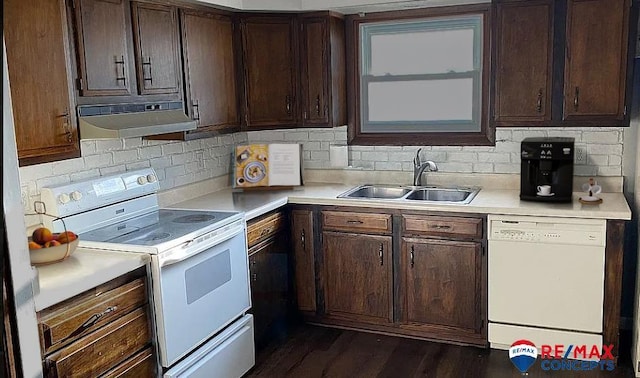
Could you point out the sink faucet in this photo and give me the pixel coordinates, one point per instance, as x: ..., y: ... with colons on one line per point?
x: 419, y: 167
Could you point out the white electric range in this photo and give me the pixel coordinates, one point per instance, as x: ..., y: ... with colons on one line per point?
x: 199, y: 267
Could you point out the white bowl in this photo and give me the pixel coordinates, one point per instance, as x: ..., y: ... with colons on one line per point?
x: 43, y: 256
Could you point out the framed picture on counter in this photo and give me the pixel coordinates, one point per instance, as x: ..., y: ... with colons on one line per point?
x: 267, y: 165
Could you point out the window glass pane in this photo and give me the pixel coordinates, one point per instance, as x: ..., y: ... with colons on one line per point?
x: 424, y: 100
x: 429, y: 52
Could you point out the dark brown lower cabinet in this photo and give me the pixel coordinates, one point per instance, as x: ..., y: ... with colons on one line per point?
x: 358, y: 274
x: 104, y: 332
x: 440, y: 284
x: 268, y: 268
x: 420, y: 275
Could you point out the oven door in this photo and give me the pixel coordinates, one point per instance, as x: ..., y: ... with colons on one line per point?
x: 200, y: 288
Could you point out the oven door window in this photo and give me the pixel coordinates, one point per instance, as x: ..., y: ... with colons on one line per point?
x: 207, y: 276
x: 200, y: 295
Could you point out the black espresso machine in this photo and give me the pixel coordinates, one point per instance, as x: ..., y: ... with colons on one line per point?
x: 546, y: 169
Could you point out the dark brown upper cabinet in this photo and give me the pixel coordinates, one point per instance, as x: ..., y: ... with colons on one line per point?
x: 210, y: 71
x: 102, y: 47
x: 563, y: 62
x: 524, y: 31
x: 293, y: 79
x: 322, y: 84
x: 155, y: 33
x: 126, y: 51
x: 39, y: 79
x: 270, y: 71
x: 595, y: 74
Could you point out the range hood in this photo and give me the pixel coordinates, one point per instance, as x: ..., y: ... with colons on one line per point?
x: 133, y: 120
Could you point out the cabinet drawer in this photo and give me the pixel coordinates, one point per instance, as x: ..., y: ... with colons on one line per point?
x: 141, y: 365
x: 442, y: 226
x: 264, y: 227
x: 354, y: 222
x: 87, y: 312
x: 103, y: 349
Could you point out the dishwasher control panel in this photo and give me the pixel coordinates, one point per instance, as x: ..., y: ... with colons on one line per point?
x: 548, y: 230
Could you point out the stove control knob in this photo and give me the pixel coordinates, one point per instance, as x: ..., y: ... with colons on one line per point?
x: 151, y: 178
x: 142, y: 180
x: 76, y: 195
x: 64, y: 198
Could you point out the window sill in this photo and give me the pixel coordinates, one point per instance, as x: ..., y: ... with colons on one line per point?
x: 422, y: 139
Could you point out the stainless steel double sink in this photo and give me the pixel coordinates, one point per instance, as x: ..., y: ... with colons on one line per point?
x: 455, y: 195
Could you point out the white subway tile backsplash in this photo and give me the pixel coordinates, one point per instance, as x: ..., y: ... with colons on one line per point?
x: 387, y: 166
x: 181, y: 163
x: 88, y: 147
x: 130, y: 143
x: 150, y: 152
x: 84, y: 175
x: 112, y: 170
x: 483, y: 167
x: 125, y: 156
x: 172, y: 148
x: 99, y: 161
x: 103, y: 145
x: 184, y: 158
x: 493, y: 157
x: 138, y: 165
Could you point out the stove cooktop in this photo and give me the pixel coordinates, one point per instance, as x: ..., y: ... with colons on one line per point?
x: 157, y: 228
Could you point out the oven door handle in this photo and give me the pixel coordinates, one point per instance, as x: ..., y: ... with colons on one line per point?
x: 182, y: 252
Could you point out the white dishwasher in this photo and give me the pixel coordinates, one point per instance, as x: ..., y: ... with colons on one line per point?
x: 546, y: 280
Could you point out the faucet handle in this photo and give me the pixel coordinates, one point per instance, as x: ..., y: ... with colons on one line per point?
x: 417, y: 161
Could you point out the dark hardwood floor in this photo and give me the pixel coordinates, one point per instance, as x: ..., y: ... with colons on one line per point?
x: 312, y: 351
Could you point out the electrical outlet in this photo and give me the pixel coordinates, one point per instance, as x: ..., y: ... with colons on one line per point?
x: 580, y: 154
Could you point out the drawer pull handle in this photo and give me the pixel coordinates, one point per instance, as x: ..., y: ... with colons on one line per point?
x: 93, y: 319
x: 381, y: 254
x: 411, y: 256
x: 265, y: 231
x: 441, y: 227
x: 302, y: 239
x: 355, y: 222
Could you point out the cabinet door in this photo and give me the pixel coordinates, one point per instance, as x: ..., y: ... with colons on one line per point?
x: 269, y: 59
x: 596, y: 59
x: 304, y: 259
x: 315, y: 66
x: 155, y: 32
x: 441, y: 283
x: 358, y: 276
x: 524, y: 33
x: 210, y: 70
x: 40, y: 92
x: 268, y: 267
x: 102, y: 47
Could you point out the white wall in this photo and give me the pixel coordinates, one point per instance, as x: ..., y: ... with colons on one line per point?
x: 19, y: 262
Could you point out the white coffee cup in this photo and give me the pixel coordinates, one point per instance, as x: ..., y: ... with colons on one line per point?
x: 544, y: 189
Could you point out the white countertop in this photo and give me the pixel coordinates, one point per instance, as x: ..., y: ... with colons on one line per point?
x: 83, y: 270
x: 488, y: 201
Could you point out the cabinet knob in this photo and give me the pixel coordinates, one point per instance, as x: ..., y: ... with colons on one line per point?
x: 318, y: 104
x: 576, y: 98
x: 287, y: 100
x: 302, y: 239
x: 411, y: 256
x: 539, y: 102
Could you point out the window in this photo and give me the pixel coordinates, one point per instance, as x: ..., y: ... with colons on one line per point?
x: 420, y: 79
